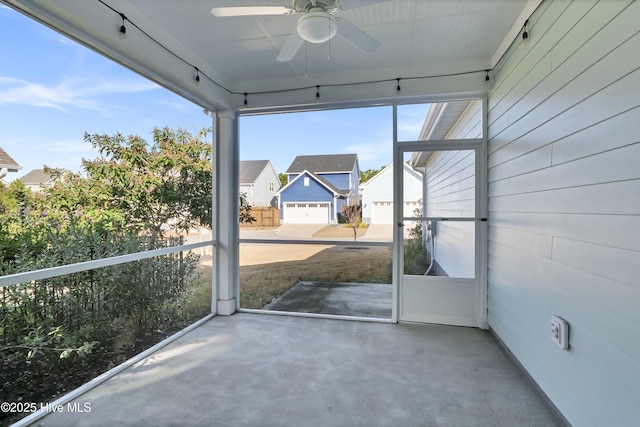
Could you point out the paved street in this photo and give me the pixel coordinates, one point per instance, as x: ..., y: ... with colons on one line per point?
x: 375, y: 233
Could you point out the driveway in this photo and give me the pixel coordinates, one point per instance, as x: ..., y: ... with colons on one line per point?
x: 375, y: 232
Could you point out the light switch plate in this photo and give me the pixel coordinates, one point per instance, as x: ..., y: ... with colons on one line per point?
x: 560, y: 332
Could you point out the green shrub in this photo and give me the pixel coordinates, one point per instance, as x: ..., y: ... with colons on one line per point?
x: 81, y: 307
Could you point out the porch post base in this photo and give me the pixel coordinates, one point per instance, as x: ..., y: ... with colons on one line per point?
x: 226, y: 307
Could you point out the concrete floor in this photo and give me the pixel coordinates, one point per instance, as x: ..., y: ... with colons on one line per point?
x: 261, y: 370
x: 346, y: 299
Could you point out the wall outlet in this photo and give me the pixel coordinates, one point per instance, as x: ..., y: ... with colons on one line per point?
x: 560, y: 332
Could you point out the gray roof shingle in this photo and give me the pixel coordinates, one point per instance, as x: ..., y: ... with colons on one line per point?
x: 323, y: 163
x: 7, y: 162
x: 36, y: 177
x: 250, y: 170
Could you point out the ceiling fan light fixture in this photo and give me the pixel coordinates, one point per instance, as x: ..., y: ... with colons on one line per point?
x: 317, y: 26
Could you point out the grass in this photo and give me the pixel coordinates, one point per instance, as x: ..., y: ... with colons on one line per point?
x: 261, y: 283
x: 269, y: 271
x: 198, y: 302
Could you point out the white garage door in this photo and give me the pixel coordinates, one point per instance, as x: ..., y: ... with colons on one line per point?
x: 306, y: 213
x: 382, y: 212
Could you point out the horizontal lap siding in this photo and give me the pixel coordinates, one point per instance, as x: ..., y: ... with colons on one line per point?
x: 564, y: 206
x: 469, y: 126
x: 377, y: 190
x: 451, y: 193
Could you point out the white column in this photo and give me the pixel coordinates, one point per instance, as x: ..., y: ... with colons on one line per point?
x: 227, y: 275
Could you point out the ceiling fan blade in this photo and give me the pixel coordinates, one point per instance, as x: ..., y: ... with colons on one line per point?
x: 355, y: 4
x: 290, y: 48
x: 356, y: 36
x: 251, y: 11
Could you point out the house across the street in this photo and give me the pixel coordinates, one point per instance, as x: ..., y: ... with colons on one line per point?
x: 377, y: 195
x: 259, y: 182
x: 38, y: 179
x: 7, y: 164
x: 318, y: 188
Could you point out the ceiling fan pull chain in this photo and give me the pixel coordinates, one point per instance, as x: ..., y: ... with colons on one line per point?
x: 329, y: 57
x: 306, y: 59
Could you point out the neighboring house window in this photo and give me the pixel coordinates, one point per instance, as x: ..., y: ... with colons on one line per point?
x: 306, y: 181
x: 272, y: 186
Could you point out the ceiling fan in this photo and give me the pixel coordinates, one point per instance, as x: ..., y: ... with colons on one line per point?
x: 317, y: 23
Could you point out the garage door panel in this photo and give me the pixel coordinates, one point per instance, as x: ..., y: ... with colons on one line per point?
x: 306, y: 213
x: 382, y: 212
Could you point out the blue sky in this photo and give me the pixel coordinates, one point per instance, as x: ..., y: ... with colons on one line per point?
x: 53, y: 90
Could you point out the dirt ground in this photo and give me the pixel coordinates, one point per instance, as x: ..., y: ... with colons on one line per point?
x: 256, y: 254
x: 339, y: 231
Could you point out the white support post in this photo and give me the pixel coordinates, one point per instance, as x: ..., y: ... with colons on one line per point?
x: 226, y: 262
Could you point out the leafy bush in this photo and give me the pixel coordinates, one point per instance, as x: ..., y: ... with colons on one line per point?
x: 416, y: 257
x: 81, y: 307
x: 57, y: 333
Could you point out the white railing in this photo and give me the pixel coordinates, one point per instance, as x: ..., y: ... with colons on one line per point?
x: 62, y: 270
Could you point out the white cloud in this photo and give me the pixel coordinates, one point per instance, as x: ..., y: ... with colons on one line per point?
x: 409, y: 131
x: 70, y: 93
x: 316, y: 117
x: 66, y: 154
x: 371, y: 155
x: 66, y: 41
x: 410, y: 121
x: 175, y: 105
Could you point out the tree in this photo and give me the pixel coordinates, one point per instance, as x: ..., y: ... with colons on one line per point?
x: 245, y: 210
x: 353, y: 217
x: 366, y: 175
x: 284, y: 179
x: 137, y: 185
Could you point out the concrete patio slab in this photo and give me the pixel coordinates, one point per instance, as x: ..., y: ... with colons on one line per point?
x: 346, y: 299
x: 260, y: 370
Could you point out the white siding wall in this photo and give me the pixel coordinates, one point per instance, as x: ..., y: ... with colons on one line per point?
x: 450, y: 192
x: 469, y: 125
x: 380, y: 189
x: 262, y: 196
x: 564, y: 206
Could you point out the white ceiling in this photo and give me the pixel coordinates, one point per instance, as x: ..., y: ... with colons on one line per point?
x: 419, y: 38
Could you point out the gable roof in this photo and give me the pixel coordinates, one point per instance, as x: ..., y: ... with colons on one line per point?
x: 37, y: 177
x: 7, y: 162
x: 325, y: 163
x: 329, y: 185
x: 323, y: 182
x: 407, y: 168
x: 250, y: 170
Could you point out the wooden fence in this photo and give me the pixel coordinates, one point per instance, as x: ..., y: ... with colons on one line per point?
x: 265, y: 217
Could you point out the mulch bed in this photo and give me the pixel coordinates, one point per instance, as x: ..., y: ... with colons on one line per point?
x: 46, y: 378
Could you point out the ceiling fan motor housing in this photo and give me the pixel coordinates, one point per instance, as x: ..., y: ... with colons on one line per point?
x: 317, y: 26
